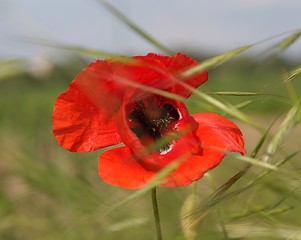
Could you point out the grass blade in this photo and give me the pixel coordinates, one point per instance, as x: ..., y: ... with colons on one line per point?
x: 77, y: 49
x: 134, y: 27
x: 229, y: 109
x: 284, y: 44
x: 256, y: 162
x: 235, y: 94
x: 243, y: 104
x: 289, y: 76
x: 215, y: 61
x: 219, y: 192
x: 285, y: 127
x: 278, y: 164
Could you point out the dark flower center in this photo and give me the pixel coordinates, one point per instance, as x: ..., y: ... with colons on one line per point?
x: 151, y: 119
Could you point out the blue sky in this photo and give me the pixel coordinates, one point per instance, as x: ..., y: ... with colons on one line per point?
x: 206, y: 25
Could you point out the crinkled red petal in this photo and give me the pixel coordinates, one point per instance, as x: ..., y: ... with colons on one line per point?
x: 176, y: 65
x: 193, y: 168
x: 97, y: 83
x: 145, y: 72
x: 81, y: 126
x: 118, y: 167
x: 84, y: 117
x: 216, y: 135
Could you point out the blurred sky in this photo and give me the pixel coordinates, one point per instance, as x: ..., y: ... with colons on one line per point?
x: 203, y: 25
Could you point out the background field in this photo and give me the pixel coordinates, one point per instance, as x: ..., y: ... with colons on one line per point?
x: 49, y: 193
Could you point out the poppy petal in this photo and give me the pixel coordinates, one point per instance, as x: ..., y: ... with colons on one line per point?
x: 147, y: 72
x: 193, y: 168
x: 216, y: 135
x: 97, y: 83
x: 118, y: 167
x: 177, y: 64
x: 79, y: 125
x: 216, y: 132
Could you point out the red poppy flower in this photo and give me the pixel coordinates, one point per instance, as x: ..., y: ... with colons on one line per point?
x: 110, y: 102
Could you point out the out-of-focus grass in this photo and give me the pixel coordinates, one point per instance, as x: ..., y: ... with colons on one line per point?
x: 49, y: 193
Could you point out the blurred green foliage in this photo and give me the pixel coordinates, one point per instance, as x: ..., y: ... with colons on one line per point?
x: 49, y: 193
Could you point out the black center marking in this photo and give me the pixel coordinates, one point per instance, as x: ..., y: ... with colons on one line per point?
x: 152, y: 117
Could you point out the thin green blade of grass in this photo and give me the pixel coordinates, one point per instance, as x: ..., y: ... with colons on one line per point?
x: 89, y: 52
x: 294, y: 96
x: 81, y: 50
x: 247, y: 94
x: 284, y: 128
x: 211, y: 202
x: 219, y: 59
x: 260, y: 143
x: 118, y: 14
x: 225, y: 187
x: 243, y: 104
x: 229, y: 109
x: 265, y: 211
x: 290, y: 75
x: 277, y: 210
x: 278, y: 164
x: 285, y: 197
x: 215, y: 61
x: 284, y: 44
x: 238, y: 94
x: 292, y: 92
x: 230, y: 182
x: 255, y: 162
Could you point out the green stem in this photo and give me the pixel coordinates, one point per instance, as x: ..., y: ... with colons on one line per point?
x: 156, y: 214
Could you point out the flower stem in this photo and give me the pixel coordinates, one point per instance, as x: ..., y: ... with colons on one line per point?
x: 156, y: 214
